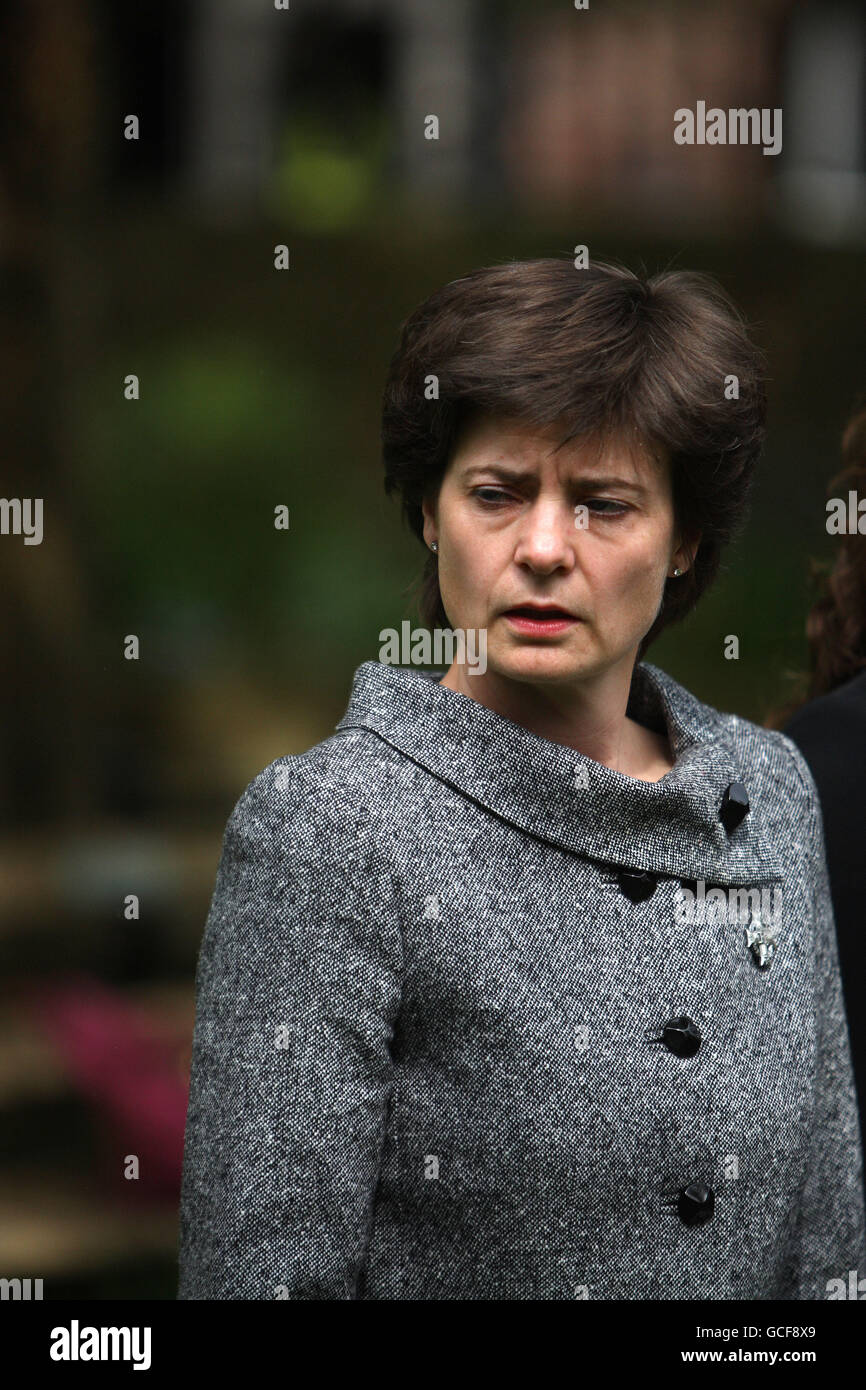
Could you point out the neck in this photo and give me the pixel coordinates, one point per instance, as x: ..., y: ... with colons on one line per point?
x: 587, y: 715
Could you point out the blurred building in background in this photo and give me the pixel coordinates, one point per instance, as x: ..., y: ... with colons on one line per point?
x: 537, y: 104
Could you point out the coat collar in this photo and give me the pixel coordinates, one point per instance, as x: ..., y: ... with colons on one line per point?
x: 561, y: 796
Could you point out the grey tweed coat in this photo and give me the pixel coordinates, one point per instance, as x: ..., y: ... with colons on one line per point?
x: 454, y: 1040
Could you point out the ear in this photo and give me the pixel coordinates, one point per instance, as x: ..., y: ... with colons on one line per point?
x: 687, y: 549
x: 430, y: 526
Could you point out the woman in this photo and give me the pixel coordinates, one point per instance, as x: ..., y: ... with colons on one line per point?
x: 480, y: 1011
x: 828, y: 724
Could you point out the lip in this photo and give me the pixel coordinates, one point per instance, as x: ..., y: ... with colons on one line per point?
x: 531, y: 620
x: 541, y: 608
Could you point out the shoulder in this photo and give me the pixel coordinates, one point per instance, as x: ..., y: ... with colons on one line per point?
x: 301, y: 878
x: 767, y: 757
x: 828, y: 720
x: 336, y: 793
x: 777, y: 758
x: 830, y: 734
x: 773, y: 767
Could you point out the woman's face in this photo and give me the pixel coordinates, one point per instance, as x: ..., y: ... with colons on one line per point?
x: 589, y: 530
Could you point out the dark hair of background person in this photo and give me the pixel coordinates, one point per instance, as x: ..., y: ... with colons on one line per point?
x: 608, y: 354
x: 836, y: 622
x: 828, y: 723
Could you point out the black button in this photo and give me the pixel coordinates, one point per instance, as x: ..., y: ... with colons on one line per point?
x: 735, y: 805
x: 637, y: 884
x: 681, y: 1036
x: 696, y: 1204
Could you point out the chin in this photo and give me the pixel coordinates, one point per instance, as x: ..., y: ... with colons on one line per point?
x: 538, y: 663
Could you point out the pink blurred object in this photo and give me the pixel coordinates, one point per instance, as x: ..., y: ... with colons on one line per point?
x: 131, y: 1076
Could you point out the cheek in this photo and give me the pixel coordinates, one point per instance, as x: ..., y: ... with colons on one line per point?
x: 462, y: 580
x: 635, y: 574
x: 471, y: 560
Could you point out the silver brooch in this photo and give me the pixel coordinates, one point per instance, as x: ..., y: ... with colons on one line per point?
x: 761, y: 939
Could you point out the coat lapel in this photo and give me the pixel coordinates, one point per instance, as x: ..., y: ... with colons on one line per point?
x: 560, y: 796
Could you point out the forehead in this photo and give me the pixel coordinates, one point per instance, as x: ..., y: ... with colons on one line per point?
x: 520, y: 444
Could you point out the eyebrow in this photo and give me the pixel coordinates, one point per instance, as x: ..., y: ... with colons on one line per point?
x: 517, y: 475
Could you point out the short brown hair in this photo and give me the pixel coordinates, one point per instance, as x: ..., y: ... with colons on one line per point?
x: 608, y: 353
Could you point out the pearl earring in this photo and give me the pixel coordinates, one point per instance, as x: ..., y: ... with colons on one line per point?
x: 434, y: 546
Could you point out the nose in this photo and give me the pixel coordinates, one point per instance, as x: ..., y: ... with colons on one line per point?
x: 547, y: 537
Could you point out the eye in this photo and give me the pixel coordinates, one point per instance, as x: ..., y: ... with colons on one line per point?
x: 498, y: 495
x: 619, y: 508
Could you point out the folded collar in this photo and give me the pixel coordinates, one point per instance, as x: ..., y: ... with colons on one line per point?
x: 556, y: 794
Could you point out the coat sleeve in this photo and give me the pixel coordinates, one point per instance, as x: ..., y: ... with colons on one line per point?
x: 298, y: 986
x: 831, y: 1232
